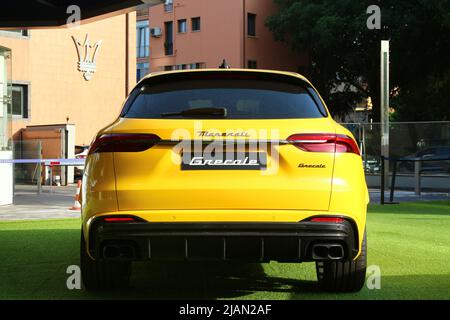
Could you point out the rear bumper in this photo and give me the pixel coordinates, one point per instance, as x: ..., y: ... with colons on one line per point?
x: 253, y: 242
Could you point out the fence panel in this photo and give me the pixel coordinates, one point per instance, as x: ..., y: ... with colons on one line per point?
x: 425, y: 140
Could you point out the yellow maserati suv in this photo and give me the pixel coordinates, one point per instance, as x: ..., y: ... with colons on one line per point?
x: 228, y: 165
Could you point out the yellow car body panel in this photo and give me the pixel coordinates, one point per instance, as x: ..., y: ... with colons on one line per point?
x: 151, y: 186
x: 152, y: 181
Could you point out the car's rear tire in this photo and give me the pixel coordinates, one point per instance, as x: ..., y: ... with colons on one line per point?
x: 343, y: 276
x: 102, y: 274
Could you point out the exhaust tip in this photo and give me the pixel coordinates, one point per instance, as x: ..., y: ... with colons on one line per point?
x: 320, y: 252
x: 324, y: 251
x: 336, y: 252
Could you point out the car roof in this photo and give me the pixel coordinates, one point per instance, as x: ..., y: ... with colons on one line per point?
x: 235, y: 70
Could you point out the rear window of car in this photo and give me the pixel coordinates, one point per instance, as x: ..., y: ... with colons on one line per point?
x: 242, y: 99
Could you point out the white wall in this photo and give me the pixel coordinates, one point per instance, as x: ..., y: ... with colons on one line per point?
x: 6, y: 180
x: 3, y: 107
x: 6, y: 169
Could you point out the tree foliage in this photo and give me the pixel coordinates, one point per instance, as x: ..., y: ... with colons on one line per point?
x: 345, y: 52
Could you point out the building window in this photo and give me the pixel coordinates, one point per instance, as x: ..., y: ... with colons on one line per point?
x: 142, y: 70
x: 184, y: 66
x: 168, y: 44
x: 168, y: 6
x: 143, y: 39
x: 182, y: 26
x: 251, y: 24
x: 20, y: 100
x: 251, y: 64
x: 195, y: 24
x: 198, y: 65
x: 15, y: 33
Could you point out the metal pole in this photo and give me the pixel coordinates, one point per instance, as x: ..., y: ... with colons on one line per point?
x: 382, y: 181
x: 384, y: 104
x: 363, y: 142
x: 417, y: 168
x: 62, y: 170
x: 394, y: 171
x: 13, y: 145
x: 51, y: 179
x: 39, y: 168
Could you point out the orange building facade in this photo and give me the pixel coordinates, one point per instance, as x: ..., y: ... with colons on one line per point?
x: 190, y: 34
x: 50, y: 86
x: 64, y: 85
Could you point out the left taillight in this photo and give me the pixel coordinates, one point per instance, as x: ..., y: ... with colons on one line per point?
x: 123, y: 142
x: 327, y: 219
x: 324, y: 142
x: 119, y: 219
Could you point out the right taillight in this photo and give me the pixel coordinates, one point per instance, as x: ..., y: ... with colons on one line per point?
x: 324, y: 142
x: 327, y: 220
x: 123, y: 142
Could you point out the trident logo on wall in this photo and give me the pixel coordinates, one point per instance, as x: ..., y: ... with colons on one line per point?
x: 87, y: 64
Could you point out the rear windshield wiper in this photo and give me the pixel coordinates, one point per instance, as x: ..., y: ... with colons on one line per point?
x: 217, y: 112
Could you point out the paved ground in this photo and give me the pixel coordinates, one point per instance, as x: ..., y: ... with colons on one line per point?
x: 54, y: 203
x: 403, y: 196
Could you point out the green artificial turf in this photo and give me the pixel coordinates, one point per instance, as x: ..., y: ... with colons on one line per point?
x: 410, y: 243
